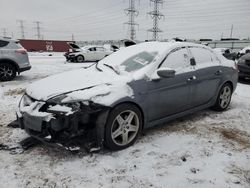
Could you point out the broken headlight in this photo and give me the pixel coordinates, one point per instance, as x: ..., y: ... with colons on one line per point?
x: 57, y: 100
x: 25, y: 101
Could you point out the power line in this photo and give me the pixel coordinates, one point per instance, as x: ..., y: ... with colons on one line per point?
x: 231, y: 32
x: 4, y: 30
x: 132, y: 13
x: 21, y: 22
x: 90, y: 13
x: 156, y: 15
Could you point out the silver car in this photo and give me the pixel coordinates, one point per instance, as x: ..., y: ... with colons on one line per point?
x: 13, y: 59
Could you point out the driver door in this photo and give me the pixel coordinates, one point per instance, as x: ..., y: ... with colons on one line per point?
x: 169, y: 96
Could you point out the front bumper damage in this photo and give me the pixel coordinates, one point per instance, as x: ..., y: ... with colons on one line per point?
x: 58, y: 123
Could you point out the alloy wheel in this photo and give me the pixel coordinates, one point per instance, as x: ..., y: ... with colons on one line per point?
x: 6, y: 72
x: 125, y: 128
x: 225, y: 97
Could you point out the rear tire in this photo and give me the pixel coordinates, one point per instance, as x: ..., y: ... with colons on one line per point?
x: 7, y: 72
x: 123, y: 127
x: 224, y: 98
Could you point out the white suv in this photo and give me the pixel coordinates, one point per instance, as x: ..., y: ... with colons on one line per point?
x: 13, y: 59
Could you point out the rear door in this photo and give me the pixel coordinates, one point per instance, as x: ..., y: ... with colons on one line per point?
x: 208, y: 75
x: 100, y: 53
x: 168, y: 96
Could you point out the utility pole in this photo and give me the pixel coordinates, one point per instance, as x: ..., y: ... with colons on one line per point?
x: 38, y: 29
x: 156, y: 15
x: 73, y: 37
x: 221, y: 36
x: 131, y: 12
x: 4, y: 32
x: 21, y: 26
x: 231, y: 33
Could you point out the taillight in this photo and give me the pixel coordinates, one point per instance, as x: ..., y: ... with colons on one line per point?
x: 21, y: 51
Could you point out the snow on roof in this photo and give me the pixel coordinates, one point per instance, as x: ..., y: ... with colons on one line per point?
x: 159, y: 47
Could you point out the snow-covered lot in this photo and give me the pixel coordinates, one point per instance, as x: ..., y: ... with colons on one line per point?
x: 206, y: 149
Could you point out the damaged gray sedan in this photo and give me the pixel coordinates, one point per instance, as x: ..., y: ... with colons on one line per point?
x: 135, y: 88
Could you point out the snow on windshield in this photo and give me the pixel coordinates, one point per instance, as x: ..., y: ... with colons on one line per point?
x: 138, y: 61
x: 135, y: 57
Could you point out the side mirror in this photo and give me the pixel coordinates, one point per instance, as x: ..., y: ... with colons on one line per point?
x: 166, y: 72
x: 192, y: 61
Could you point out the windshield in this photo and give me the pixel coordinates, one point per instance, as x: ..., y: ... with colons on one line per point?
x: 134, y: 58
x: 138, y: 61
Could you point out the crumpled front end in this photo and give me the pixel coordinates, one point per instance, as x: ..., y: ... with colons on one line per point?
x: 61, y: 121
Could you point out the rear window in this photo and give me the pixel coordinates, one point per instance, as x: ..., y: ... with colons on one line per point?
x: 202, y: 55
x: 19, y: 45
x: 3, y: 43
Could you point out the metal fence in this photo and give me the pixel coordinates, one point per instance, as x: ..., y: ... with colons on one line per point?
x: 234, y: 45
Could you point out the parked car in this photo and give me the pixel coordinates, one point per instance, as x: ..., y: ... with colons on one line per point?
x: 72, y: 48
x: 244, y: 66
x: 227, y: 53
x: 13, y: 59
x: 89, y: 53
x: 244, y: 51
x: 132, y: 89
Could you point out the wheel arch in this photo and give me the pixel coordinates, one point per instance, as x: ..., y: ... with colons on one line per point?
x: 11, y: 62
x: 81, y: 56
x: 228, y: 82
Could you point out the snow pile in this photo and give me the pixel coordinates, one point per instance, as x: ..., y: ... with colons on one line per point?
x: 207, y: 149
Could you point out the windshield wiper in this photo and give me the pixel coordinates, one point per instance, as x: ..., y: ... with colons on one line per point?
x: 107, y: 65
x: 96, y: 63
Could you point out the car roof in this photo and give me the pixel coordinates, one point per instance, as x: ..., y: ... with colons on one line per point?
x: 167, y: 46
x: 8, y: 39
x: 93, y: 47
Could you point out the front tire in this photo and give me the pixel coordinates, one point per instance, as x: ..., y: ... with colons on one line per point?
x: 123, y: 127
x: 7, y: 72
x: 224, y: 98
x: 80, y: 59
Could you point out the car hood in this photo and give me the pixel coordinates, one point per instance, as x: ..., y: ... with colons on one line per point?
x: 71, y: 81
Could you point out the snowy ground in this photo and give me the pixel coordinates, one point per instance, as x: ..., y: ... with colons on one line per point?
x: 207, y: 149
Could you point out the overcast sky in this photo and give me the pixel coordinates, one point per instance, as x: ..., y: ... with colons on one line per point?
x: 103, y: 19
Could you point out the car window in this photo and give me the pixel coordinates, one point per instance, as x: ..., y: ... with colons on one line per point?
x: 178, y: 60
x: 203, y: 56
x: 92, y: 49
x: 138, y: 61
x: 18, y: 45
x: 3, y: 43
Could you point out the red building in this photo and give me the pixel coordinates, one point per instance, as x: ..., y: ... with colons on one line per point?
x: 45, y: 45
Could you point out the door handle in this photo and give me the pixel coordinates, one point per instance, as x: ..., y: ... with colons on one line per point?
x: 218, y: 72
x: 192, y: 78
